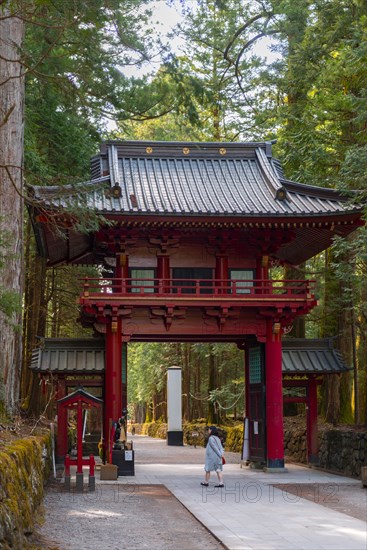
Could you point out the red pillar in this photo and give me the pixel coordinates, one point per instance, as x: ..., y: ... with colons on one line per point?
x: 163, y: 272
x: 124, y: 374
x: 123, y: 282
x: 221, y: 272
x: 312, y: 440
x: 79, y: 435
x: 274, y: 396
x: 121, y: 272
x: 113, y: 380
x: 262, y: 272
x: 62, y: 423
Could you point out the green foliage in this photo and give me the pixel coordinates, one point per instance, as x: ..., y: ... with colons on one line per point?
x: 233, y: 435
x: 195, y: 92
x: 74, y: 53
x: 148, y: 365
x: 234, y: 441
x: 324, y: 110
x: 147, y: 371
x: 63, y: 286
x: 199, y: 429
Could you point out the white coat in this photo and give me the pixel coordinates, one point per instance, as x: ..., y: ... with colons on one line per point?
x: 213, y: 454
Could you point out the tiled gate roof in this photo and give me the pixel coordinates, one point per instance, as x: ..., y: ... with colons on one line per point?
x: 235, y: 186
x: 201, y: 179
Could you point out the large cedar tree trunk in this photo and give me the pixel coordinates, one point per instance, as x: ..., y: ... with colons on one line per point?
x: 337, y: 389
x: 34, y: 321
x: 11, y: 206
x: 186, y: 381
x: 212, y: 385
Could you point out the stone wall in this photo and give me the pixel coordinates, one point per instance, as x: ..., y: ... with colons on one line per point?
x: 295, y: 444
x: 341, y: 450
x: 24, y: 469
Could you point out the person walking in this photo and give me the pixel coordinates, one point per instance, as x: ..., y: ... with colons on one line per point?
x: 213, y: 458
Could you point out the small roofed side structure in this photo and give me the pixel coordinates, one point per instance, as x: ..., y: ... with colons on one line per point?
x: 78, y: 400
x: 80, y: 395
x: 70, y: 363
x: 78, y: 356
x: 305, y: 363
x: 312, y: 356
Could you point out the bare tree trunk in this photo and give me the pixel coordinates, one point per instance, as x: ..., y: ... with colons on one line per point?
x: 345, y: 345
x: 186, y: 381
x: 11, y: 205
x: 34, y: 323
x: 164, y: 400
x: 197, y: 404
x: 337, y: 389
x: 212, y: 385
x: 362, y: 360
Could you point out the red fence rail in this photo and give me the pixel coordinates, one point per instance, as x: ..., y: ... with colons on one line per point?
x: 239, y: 288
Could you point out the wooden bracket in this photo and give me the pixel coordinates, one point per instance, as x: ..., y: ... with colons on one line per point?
x: 221, y: 314
x: 168, y: 314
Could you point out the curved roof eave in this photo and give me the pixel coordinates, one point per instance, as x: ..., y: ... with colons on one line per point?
x: 315, y: 190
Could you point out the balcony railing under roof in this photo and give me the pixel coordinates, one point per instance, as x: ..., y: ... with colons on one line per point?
x: 216, y: 289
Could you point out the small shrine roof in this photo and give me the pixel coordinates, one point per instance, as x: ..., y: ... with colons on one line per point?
x: 82, y: 396
x: 194, y: 179
x: 87, y: 356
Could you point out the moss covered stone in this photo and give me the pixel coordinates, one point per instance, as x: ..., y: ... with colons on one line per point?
x: 24, y: 468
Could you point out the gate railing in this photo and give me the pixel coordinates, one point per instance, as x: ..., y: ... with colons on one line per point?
x: 244, y: 289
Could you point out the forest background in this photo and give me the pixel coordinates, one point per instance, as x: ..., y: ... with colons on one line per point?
x: 293, y: 71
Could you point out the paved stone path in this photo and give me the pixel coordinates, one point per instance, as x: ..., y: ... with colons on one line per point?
x: 250, y: 513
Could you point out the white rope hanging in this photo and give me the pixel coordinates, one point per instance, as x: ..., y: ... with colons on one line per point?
x: 233, y: 404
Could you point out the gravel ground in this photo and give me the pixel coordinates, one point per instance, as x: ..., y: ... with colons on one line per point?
x: 118, y: 517
x: 123, y: 516
x: 149, y: 516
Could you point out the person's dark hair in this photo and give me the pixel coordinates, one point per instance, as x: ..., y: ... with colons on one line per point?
x: 213, y: 430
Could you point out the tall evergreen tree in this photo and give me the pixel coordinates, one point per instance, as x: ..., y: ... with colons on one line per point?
x: 11, y: 205
x: 70, y: 55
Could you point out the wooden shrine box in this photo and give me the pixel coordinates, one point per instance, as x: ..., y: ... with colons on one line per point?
x: 108, y: 472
